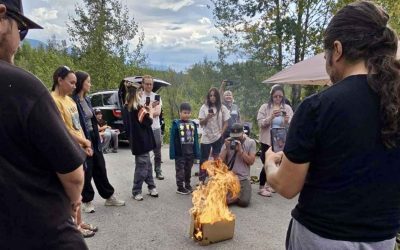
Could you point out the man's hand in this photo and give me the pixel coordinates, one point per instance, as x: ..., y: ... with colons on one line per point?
x: 239, y: 148
x: 273, y: 157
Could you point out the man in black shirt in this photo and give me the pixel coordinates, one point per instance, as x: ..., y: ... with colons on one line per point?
x: 41, y: 174
x: 342, y: 152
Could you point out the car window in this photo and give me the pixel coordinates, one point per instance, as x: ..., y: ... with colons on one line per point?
x: 110, y: 99
x: 96, y: 100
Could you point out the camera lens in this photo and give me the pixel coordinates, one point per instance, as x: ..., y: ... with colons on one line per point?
x: 233, y: 145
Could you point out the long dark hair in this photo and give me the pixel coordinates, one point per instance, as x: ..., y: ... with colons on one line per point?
x: 62, y: 72
x: 80, y: 79
x: 218, y: 103
x: 362, y: 29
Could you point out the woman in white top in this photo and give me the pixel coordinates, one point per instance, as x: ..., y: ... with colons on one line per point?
x: 273, y: 114
x: 213, y: 118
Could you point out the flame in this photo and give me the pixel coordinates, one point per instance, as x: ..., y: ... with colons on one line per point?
x: 209, y: 201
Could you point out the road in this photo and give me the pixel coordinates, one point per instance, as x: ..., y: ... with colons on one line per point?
x: 163, y: 223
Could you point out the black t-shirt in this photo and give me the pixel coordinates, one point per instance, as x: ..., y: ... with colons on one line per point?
x: 352, y: 188
x: 34, y: 146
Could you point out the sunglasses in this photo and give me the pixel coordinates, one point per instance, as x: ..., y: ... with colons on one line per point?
x: 64, y: 71
x: 22, y: 26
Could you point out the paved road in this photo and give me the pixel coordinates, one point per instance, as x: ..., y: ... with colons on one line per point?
x: 163, y: 223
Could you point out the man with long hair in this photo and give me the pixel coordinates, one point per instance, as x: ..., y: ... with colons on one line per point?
x: 342, y: 152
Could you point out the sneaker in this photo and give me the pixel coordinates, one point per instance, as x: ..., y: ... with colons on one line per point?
x: 189, y: 188
x: 138, y: 197
x: 153, y: 192
x: 88, y: 207
x: 160, y: 176
x: 264, y: 192
x: 115, y: 150
x: 182, y: 190
x: 113, y: 201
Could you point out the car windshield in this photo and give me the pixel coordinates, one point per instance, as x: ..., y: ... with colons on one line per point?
x: 110, y: 99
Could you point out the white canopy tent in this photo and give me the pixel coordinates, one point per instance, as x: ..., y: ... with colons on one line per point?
x: 308, y: 72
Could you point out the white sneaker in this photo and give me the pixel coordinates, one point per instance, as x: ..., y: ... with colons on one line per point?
x: 138, y: 197
x: 88, y: 207
x: 113, y: 201
x: 153, y: 192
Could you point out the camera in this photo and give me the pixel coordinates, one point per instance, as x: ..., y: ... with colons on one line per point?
x: 233, y: 143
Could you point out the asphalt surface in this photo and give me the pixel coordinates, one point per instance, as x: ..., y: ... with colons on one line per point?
x: 163, y: 223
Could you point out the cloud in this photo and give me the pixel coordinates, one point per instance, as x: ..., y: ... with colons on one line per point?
x: 175, y: 6
x: 44, y: 14
x: 205, y: 20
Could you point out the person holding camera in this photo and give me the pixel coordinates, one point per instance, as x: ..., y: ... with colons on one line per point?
x: 273, y: 114
x: 239, y: 153
x: 213, y: 118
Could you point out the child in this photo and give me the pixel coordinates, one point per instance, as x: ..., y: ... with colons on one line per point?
x: 184, y: 148
x: 107, y: 134
x: 141, y: 140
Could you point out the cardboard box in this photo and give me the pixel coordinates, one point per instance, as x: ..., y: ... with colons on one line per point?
x: 219, y: 231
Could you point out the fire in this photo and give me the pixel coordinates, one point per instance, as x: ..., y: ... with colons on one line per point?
x: 209, y: 201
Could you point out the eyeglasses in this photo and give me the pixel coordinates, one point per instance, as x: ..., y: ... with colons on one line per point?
x: 22, y: 26
x: 277, y: 96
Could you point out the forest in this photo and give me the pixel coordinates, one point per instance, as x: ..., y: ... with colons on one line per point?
x: 270, y: 34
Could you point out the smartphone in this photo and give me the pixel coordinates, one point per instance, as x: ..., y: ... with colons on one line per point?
x: 147, y: 100
x: 211, y: 111
x: 278, y: 139
x: 229, y: 83
x: 283, y: 113
x: 157, y: 98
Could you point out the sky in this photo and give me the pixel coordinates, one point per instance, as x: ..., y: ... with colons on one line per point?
x: 178, y: 33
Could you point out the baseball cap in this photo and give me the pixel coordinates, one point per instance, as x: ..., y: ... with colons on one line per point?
x: 97, y: 111
x: 236, y: 130
x: 15, y: 8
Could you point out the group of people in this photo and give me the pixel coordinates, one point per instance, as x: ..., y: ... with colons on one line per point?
x: 341, y: 155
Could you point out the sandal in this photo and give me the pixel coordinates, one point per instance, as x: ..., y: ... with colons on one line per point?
x: 86, y: 233
x: 90, y: 227
x: 254, y: 179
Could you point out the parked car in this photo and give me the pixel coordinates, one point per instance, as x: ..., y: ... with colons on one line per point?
x: 110, y: 103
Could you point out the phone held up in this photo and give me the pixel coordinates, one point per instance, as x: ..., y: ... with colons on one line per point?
x: 278, y: 139
x: 211, y: 111
x: 157, y: 98
x: 147, y: 101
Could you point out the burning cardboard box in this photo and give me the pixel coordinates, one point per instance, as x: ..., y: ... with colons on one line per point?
x: 211, y: 220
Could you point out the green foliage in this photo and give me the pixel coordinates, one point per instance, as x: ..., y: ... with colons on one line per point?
x: 100, y: 34
x: 391, y: 6
x: 42, y: 61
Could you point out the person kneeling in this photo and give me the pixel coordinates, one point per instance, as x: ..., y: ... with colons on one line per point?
x: 239, y: 153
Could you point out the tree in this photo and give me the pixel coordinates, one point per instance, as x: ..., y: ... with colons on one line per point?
x: 391, y: 6
x: 101, y: 34
x: 276, y: 33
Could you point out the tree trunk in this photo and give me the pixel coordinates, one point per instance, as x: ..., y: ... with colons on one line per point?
x: 296, y: 89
